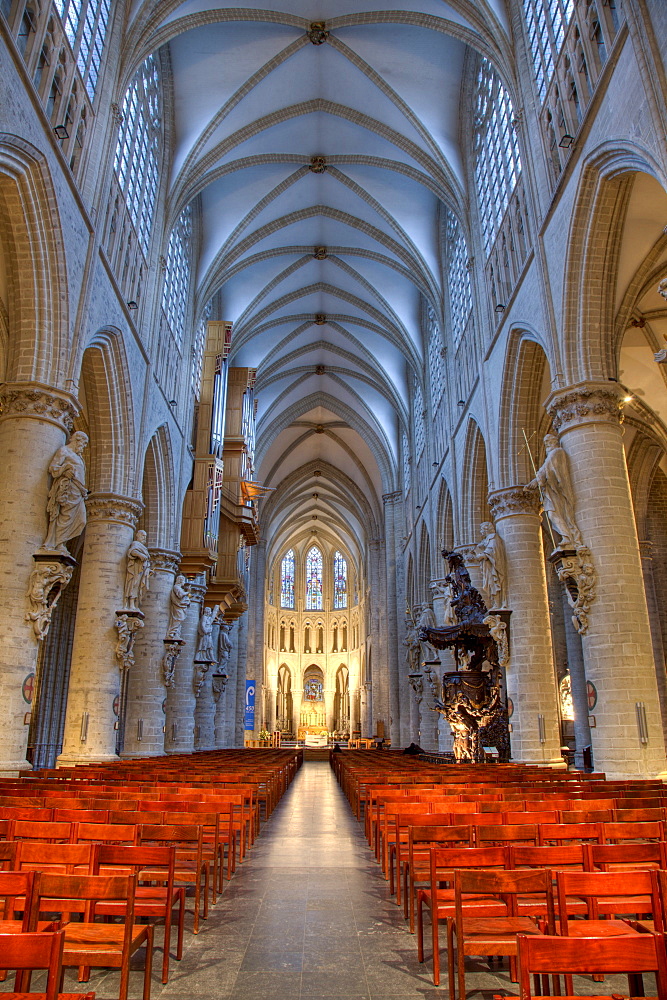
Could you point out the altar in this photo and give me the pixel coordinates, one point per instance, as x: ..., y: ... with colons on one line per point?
x: 313, y: 735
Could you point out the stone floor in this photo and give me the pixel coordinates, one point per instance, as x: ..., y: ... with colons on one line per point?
x: 308, y: 915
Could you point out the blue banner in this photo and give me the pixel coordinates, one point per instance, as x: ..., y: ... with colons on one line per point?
x: 249, y: 723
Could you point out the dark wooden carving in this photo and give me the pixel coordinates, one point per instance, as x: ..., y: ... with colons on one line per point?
x: 472, y: 698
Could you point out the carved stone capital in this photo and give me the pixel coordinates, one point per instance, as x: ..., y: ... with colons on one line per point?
x: 575, y: 570
x: 165, y: 560
x: 218, y: 685
x: 172, y: 650
x: 111, y: 507
x: 127, y: 624
x: 41, y: 402
x: 585, y: 403
x: 47, y: 582
x: 390, y: 498
x: 514, y: 500
x: 198, y: 587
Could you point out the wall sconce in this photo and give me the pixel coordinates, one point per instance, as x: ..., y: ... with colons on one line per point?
x: 566, y: 141
x: 84, y: 727
x: 61, y: 132
x: 642, y: 724
x: 541, y: 728
x: 500, y: 308
x: 172, y: 402
x: 132, y: 304
x: 461, y: 402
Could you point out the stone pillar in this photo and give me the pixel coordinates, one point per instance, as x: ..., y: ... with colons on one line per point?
x: 329, y: 696
x: 646, y: 553
x: 531, y: 682
x: 577, y: 668
x: 241, y: 650
x: 179, y: 735
x: 34, y: 423
x: 379, y: 674
x: 617, y: 647
x: 146, y: 704
x: 95, y: 679
x: 205, y: 713
x: 395, y: 731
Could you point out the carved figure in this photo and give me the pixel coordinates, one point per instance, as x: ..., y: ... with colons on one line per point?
x: 553, y: 480
x: 66, y: 506
x: 412, y: 645
x: 491, y: 555
x: 138, y: 572
x: 46, y: 584
x: 172, y: 651
x: 179, y: 602
x: 204, y: 652
x: 127, y: 626
x: 427, y: 620
x: 224, y: 646
x: 218, y: 683
x: 662, y: 288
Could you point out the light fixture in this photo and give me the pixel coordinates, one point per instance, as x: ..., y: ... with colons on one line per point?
x: 566, y: 141
x: 610, y: 378
x: 61, y: 132
x: 434, y: 464
x: 500, y: 308
x: 132, y: 304
x: 461, y: 402
x: 172, y: 402
x: 628, y: 399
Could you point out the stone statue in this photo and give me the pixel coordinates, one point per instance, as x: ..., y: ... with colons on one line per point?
x: 66, y: 506
x: 412, y: 645
x: 224, y: 646
x: 204, y: 652
x: 427, y: 620
x: 553, y: 480
x: 138, y: 572
x: 491, y: 555
x: 179, y: 602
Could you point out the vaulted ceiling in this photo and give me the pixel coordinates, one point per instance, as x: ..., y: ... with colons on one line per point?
x: 323, y: 157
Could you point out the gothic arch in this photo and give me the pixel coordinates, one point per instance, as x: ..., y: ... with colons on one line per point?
x: 593, y: 247
x: 36, y: 266
x: 522, y: 408
x: 110, y: 414
x: 425, y: 574
x: 445, y: 518
x: 474, y: 484
x: 158, y: 492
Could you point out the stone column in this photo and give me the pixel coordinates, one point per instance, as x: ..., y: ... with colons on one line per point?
x: 145, y: 717
x: 617, y: 647
x: 95, y: 679
x: 179, y: 735
x: 205, y: 714
x: 577, y: 668
x: 241, y: 650
x: 646, y: 553
x: 395, y: 732
x: 34, y: 423
x: 531, y: 682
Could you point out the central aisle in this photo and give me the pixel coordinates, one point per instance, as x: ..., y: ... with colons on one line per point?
x: 307, y: 915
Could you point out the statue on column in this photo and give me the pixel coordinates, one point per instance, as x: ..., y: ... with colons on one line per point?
x: 553, y: 481
x: 66, y: 506
x: 427, y: 620
x: 490, y: 552
x: 138, y: 572
x: 204, y: 652
x: 179, y: 602
x: 412, y: 645
x: 224, y: 646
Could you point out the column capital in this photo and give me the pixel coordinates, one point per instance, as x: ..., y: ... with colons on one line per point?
x: 585, y: 403
x: 390, y: 498
x: 514, y: 500
x: 40, y: 402
x: 198, y: 586
x: 165, y: 560
x: 114, y: 508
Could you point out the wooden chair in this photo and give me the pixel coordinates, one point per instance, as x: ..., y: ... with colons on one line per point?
x: 440, y: 901
x: 540, y: 956
x: 49, y: 832
x: 499, y: 835
x: 606, y: 894
x: 89, y: 943
x: 490, y: 933
x: 397, y: 842
x: 7, y: 854
x: 105, y: 833
x: 153, y: 901
x: 543, y: 816
x: 619, y: 833
x: 570, y: 833
x: 212, y: 846
x: 57, y: 859
x: 16, y: 892
x: 191, y: 866
x: 417, y: 866
x: 625, y: 857
x: 37, y: 950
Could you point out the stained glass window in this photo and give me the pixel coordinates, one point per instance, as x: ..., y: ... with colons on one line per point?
x: 458, y: 276
x: 136, y: 160
x: 497, y: 159
x: 314, y: 580
x: 287, y: 580
x: 340, y: 581
x: 546, y: 21
x: 85, y: 23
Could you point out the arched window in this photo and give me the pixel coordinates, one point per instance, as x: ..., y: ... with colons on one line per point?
x: 546, y: 23
x: 85, y: 23
x: 497, y: 159
x: 340, y: 581
x: 287, y: 580
x: 418, y: 417
x: 177, y: 274
x: 458, y: 276
x: 407, y: 479
x: 314, y: 580
x: 136, y: 160
x: 436, y: 365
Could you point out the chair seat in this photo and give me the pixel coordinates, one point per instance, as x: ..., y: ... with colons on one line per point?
x: 42, y: 996
x: 599, y: 928
x: 99, y: 939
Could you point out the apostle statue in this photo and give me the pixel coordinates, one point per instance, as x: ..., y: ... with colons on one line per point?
x: 427, y: 620
x: 204, y: 652
x: 553, y: 480
x: 490, y: 552
x: 66, y: 506
x: 179, y: 602
x: 224, y: 646
x: 137, y: 573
